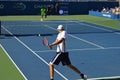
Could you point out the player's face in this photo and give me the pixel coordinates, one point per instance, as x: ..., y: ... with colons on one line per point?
x: 60, y: 30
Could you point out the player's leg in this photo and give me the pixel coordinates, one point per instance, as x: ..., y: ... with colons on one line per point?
x: 83, y: 76
x: 74, y: 68
x: 42, y: 16
x: 51, y: 66
x: 46, y: 15
x: 66, y: 61
x: 56, y: 61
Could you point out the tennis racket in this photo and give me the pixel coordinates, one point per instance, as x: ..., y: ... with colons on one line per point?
x: 45, y: 42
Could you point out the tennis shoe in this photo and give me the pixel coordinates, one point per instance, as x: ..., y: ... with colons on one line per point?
x: 83, y: 76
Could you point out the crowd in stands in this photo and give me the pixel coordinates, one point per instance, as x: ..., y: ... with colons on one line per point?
x: 115, y: 10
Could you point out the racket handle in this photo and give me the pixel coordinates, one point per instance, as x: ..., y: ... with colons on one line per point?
x: 50, y: 46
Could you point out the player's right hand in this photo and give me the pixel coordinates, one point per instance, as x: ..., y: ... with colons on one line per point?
x: 50, y: 46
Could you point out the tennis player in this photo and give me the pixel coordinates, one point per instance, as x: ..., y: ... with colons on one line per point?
x: 61, y: 54
x: 43, y: 13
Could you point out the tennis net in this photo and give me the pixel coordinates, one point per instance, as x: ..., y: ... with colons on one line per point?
x: 31, y: 28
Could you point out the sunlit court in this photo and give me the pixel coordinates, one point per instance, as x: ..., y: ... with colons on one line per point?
x: 92, y: 41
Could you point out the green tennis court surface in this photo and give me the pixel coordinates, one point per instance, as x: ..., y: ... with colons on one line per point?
x: 88, y: 43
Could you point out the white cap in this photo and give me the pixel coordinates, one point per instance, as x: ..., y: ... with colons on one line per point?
x: 60, y: 27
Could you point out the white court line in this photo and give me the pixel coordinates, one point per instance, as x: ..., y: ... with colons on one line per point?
x: 78, y: 38
x: 113, y: 77
x: 34, y: 53
x: 102, y: 25
x: 86, y: 41
x: 94, y: 27
x: 84, y: 49
x: 90, y: 49
x: 13, y: 62
x: 46, y: 51
x: 79, y: 22
x: 81, y: 38
x: 55, y: 29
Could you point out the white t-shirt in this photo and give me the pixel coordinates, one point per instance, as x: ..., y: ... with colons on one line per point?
x: 61, y: 46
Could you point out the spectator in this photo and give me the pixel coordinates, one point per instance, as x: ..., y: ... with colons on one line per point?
x: 104, y: 9
x: 56, y: 8
x: 49, y: 10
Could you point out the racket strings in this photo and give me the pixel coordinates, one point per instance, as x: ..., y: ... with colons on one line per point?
x: 45, y: 41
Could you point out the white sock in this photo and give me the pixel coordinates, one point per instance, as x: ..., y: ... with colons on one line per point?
x: 51, y: 78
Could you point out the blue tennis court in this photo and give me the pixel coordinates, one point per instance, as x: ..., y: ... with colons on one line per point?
x: 94, y: 49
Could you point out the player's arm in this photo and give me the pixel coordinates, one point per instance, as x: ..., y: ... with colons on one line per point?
x: 56, y: 42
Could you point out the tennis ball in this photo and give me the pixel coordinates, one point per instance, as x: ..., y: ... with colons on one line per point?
x: 39, y: 34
